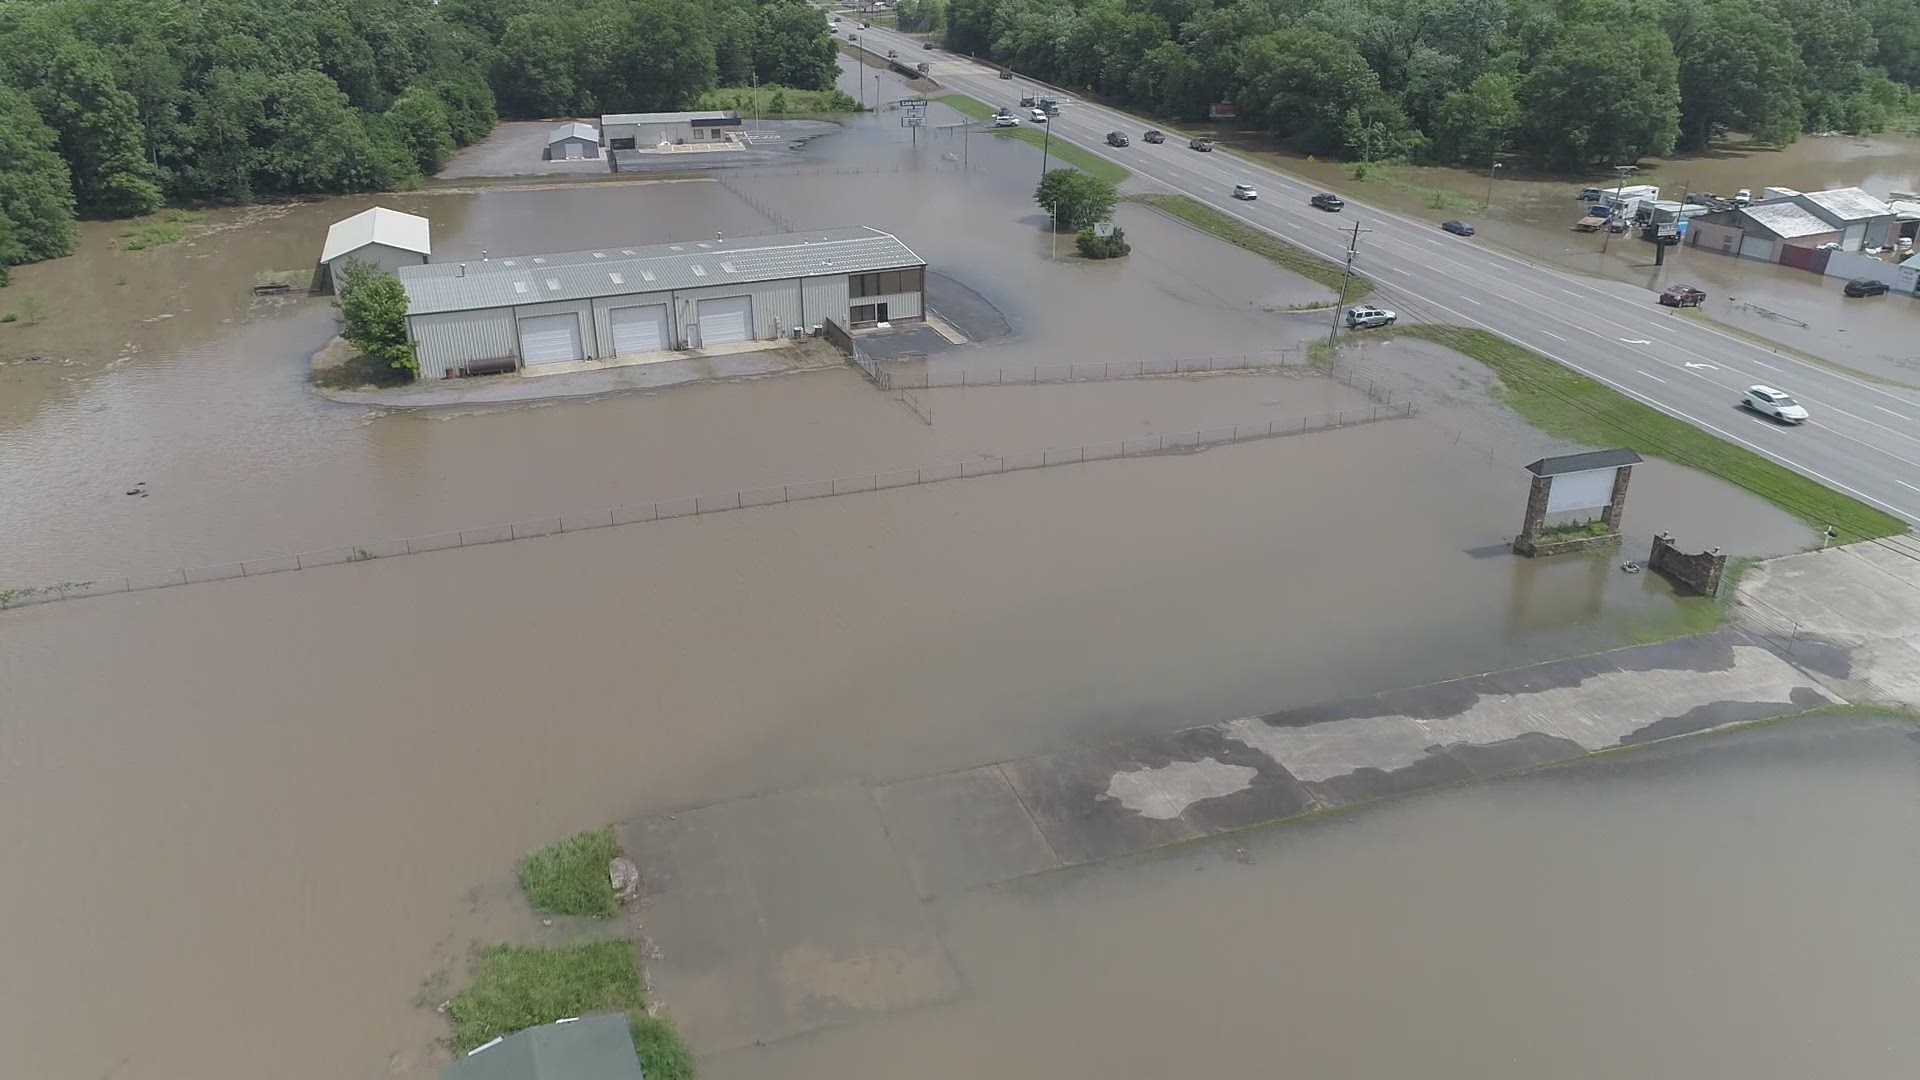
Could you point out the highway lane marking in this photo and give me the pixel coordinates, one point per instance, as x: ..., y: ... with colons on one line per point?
x: 1471, y: 300
x: 1764, y: 364
x: 1663, y: 329
x: 1655, y: 378
x: 1691, y: 364
x: 1634, y: 341
x: 1573, y: 294
x: 1890, y: 412
x: 1553, y: 335
x: 1399, y: 271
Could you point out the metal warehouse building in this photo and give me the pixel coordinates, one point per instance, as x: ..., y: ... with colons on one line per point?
x: 572, y: 142
x: 525, y: 311
x: 644, y: 131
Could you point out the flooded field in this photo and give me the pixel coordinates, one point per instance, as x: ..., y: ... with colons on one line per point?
x: 1532, y: 214
x: 327, y: 765
x: 1579, y: 923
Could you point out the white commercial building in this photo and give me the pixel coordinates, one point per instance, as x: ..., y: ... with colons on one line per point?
x: 651, y: 131
x: 385, y: 238
x: 528, y: 310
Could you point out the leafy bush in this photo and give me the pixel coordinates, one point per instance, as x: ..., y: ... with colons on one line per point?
x: 1076, y: 199
x: 663, y: 1053
x: 1098, y: 247
x: 375, y: 306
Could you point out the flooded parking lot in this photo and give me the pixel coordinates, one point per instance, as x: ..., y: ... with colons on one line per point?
x: 1514, y: 930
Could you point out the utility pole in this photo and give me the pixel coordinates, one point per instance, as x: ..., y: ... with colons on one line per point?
x: 1607, y: 236
x: 1353, y: 248
x: 1494, y: 164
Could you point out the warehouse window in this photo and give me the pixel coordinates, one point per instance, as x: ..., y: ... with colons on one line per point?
x: 886, y: 282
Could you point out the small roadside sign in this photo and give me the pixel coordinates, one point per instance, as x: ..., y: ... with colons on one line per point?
x: 1103, y: 229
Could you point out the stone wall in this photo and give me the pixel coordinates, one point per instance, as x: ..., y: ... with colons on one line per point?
x: 1698, y: 574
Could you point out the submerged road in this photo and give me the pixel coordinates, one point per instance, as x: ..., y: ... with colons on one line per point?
x: 1863, y: 438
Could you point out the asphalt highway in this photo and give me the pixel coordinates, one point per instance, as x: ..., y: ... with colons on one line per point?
x: 1862, y: 438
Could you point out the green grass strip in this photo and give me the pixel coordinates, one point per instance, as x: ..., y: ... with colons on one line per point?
x: 1075, y: 155
x: 569, y: 877
x: 1564, y: 403
x: 1281, y: 253
x: 521, y: 986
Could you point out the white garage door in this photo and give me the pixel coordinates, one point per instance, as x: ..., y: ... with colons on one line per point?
x: 573, y: 151
x: 1854, y: 238
x: 1756, y: 247
x: 638, y: 329
x: 550, y: 339
x: 725, y: 319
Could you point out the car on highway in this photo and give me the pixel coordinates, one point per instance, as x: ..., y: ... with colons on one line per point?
x: 1006, y: 74
x: 1864, y: 287
x: 1037, y: 116
x: 1366, y: 317
x: 1457, y: 228
x: 892, y: 54
x: 1327, y: 201
x: 1682, y: 296
x: 1245, y: 192
x: 1117, y: 138
x: 1155, y: 135
x: 1006, y: 120
x: 1205, y: 146
x: 926, y: 45
x: 1767, y: 401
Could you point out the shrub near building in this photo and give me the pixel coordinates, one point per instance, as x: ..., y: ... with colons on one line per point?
x: 374, y: 304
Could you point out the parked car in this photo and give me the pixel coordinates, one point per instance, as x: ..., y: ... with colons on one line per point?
x: 1037, y: 116
x: 1767, y: 401
x: 1202, y: 145
x: 1743, y: 197
x: 1591, y: 194
x: 1327, y: 201
x: 1006, y: 120
x: 1115, y: 138
x: 1367, y: 317
x: 926, y: 45
x: 1155, y: 135
x: 1864, y: 287
x: 1245, y: 192
x: 1682, y: 296
x: 1457, y: 228
x: 1006, y: 74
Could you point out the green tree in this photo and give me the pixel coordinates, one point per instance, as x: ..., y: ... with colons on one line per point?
x: 1076, y: 199
x: 1738, y: 70
x: 374, y: 305
x: 36, y: 193
x: 1314, y: 89
x: 417, y: 121
x: 96, y: 122
x: 1602, y: 97
x: 1473, y: 124
x: 315, y: 141
x: 789, y: 48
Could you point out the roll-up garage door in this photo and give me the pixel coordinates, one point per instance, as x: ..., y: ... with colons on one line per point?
x: 725, y: 319
x: 638, y: 329
x: 1854, y: 238
x: 550, y: 339
x: 1756, y: 247
x: 573, y: 151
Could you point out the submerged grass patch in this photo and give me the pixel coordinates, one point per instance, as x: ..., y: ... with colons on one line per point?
x: 1281, y: 253
x: 1567, y: 404
x: 664, y: 1055
x: 522, y: 986
x: 569, y: 877
x: 1073, y: 154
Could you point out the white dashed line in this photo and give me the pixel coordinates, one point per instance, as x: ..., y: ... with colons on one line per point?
x: 1763, y: 364
x: 1471, y: 300
x: 1553, y: 335
x: 1890, y: 412
x: 1655, y: 378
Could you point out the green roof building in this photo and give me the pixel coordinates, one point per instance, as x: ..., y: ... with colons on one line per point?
x: 584, y: 1048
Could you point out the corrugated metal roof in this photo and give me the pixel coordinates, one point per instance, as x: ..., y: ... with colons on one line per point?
x: 1848, y: 203
x: 377, y: 226
x: 574, y: 131
x: 576, y: 275
x: 1786, y: 219
x: 611, y: 119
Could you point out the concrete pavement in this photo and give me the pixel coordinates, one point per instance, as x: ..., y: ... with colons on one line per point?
x: 1864, y: 438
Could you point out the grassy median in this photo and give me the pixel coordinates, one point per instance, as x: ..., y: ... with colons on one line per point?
x: 1279, y: 252
x: 1077, y: 156
x: 1567, y: 404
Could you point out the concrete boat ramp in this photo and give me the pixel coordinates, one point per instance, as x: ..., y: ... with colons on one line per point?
x: 794, y: 911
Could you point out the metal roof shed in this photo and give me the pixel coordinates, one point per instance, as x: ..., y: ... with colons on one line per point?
x: 584, y: 1048
x: 572, y: 141
x: 382, y: 237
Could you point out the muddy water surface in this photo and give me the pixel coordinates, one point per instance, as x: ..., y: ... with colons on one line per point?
x: 269, y: 799
x: 1685, y: 907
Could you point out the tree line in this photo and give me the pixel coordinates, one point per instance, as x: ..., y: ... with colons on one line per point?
x: 1569, y: 84
x: 110, y: 108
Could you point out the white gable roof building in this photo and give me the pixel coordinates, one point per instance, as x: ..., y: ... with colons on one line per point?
x: 383, y: 237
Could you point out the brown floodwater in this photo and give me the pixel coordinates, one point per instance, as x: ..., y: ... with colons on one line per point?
x: 271, y: 800
x: 1684, y: 911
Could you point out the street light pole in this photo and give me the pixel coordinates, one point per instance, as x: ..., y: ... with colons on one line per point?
x: 1491, y: 168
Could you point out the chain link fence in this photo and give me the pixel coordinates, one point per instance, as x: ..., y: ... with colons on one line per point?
x: 745, y: 498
